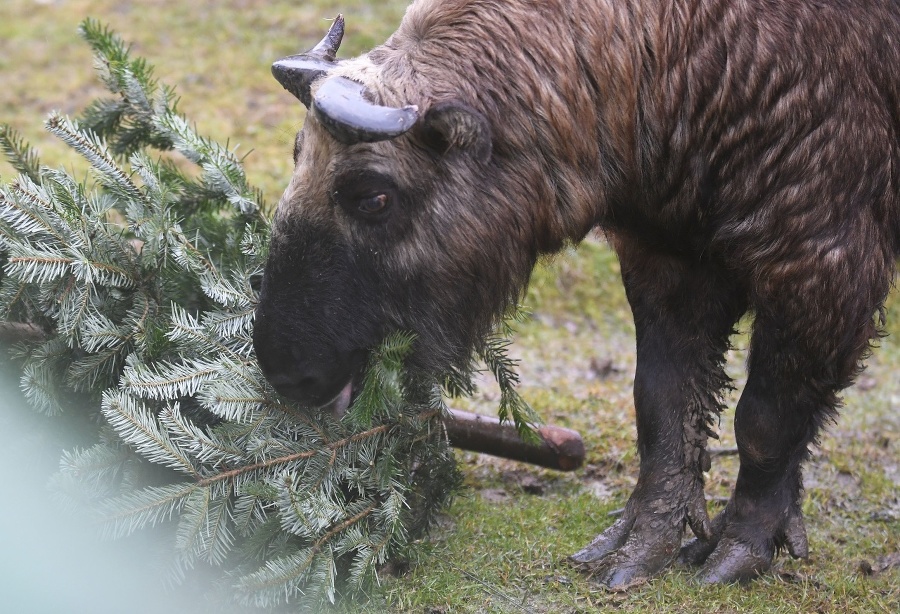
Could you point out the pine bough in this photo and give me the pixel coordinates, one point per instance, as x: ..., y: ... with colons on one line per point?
x: 142, y: 281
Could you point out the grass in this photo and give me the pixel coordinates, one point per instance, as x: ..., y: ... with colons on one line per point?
x: 503, y: 544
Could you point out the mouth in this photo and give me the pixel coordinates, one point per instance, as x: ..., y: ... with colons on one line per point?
x: 341, y: 402
x: 323, y: 396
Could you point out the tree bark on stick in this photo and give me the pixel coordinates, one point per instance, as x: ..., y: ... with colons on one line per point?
x: 560, y: 448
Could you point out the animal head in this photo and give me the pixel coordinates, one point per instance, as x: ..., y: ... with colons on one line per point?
x: 391, y: 221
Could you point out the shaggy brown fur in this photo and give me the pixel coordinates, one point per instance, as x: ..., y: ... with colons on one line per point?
x: 740, y: 155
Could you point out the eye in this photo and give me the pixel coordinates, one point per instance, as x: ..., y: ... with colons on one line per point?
x: 374, y: 205
x: 367, y: 196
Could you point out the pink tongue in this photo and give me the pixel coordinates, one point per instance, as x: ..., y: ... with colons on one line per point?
x: 342, y: 400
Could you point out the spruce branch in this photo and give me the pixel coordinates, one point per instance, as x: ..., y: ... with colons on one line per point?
x: 513, y: 407
x: 127, y: 120
x: 203, y: 527
x: 285, y: 461
x: 146, y: 507
x: 42, y: 373
x: 95, y: 152
x: 168, y: 380
x: 206, y: 447
x: 20, y: 154
x: 28, y: 214
x: 96, y: 470
x: 139, y: 428
x: 222, y: 171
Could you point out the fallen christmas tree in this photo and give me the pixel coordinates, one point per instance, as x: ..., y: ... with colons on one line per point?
x: 135, y: 290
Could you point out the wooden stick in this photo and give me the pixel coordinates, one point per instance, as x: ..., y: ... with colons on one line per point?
x: 560, y: 448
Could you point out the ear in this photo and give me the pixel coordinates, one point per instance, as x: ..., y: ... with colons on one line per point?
x: 455, y: 127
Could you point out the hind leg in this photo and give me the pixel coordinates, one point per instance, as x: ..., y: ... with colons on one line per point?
x: 805, y: 348
x: 684, y: 314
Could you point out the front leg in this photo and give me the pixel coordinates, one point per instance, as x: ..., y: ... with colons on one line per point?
x: 684, y: 314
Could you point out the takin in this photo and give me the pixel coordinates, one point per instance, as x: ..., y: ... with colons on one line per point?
x: 740, y: 157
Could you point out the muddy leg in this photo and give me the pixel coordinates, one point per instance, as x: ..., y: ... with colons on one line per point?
x: 684, y: 314
x: 795, y: 373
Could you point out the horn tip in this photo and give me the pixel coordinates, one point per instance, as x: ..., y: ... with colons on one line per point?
x: 337, y: 27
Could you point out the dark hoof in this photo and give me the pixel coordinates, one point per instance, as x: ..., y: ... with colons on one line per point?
x: 734, y: 561
x: 629, y: 553
x: 604, y: 544
x: 647, y: 537
x: 621, y: 578
x: 740, y: 551
x: 795, y: 539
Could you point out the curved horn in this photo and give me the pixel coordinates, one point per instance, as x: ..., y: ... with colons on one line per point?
x: 297, y: 72
x: 342, y: 108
